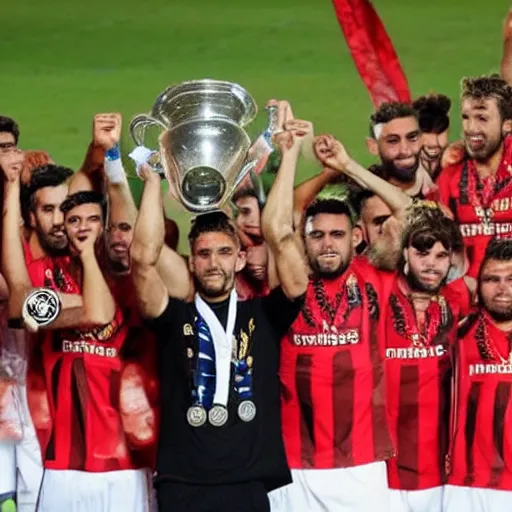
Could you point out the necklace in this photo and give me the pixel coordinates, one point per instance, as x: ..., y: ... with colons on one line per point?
x: 487, y: 349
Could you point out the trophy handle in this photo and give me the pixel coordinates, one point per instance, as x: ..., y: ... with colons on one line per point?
x: 138, y: 127
x: 247, y: 168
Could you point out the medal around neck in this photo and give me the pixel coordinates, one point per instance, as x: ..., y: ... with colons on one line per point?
x: 42, y: 306
x: 218, y: 415
x: 247, y: 410
x: 202, y: 143
x: 196, y: 416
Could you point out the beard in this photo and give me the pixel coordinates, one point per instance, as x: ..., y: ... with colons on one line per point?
x: 490, y: 148
x: 118, y: 266
x: 51, y: 245
x: 327, y: 273
x: 401, y: 174
x: 383, y: 259
x: 418, y: 286
x: 214, y: 291
x: 500, y: 316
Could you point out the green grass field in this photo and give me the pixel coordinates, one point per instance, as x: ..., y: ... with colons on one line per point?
x: 63, y: 61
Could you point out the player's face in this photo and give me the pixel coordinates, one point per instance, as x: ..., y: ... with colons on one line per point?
x: 214, y: 261
x: 83, y: 222
x: 248, y: 218
x: 257, y: 260
x: 432, y: 147
x: 119, y: 238
x: 329, y: 244
x: 481, y: 127
x: 428, y: 268
x: 399, y: 148
x: 7, y: 140
x: 381, y: 232
x: 47, y: 220
x: 495, y: 289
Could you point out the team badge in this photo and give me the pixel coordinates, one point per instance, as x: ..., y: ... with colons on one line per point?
x: 218, y: 415
x: 196, y: 416
x: 42, y: 305
x: 247, y: 410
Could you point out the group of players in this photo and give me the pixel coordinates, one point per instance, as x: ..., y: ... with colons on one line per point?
x: 312, y: 353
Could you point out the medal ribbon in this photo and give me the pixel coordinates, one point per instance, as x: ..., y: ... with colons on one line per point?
x: 482, y: 192
x: 204, y: 376
x: 222, y: 342
x: 434, y: 314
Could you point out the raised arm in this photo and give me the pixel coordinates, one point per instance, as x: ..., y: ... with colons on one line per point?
x: 14, y: 268
x: 90, y: 176
x: 277, y: 216
x: 148, y: 240
x: 506, y: 61
x: 333, y: 154
x: 306, y: 192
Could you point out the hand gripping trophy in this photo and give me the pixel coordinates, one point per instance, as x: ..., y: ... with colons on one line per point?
x: 203, y: 147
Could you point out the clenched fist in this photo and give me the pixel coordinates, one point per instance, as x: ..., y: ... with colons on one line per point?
x: 107, y: 130
x: 12, y: 161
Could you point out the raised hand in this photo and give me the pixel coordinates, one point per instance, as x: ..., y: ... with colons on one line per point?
x: 12, y: 162
x: 331, y: 152
x: 453, y: 154
x: 107, y: 130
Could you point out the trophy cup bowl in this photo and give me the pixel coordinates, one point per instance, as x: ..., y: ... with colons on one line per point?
x: 203, y: 145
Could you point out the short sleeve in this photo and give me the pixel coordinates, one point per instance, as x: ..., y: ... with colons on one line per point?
x: 165, y: 322
x: 281, y: 311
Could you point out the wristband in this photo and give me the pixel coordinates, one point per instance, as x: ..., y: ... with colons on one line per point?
x: 113, y: 153
x: 115, y: 171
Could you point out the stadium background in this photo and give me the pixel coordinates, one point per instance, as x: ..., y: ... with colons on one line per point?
x: 61, y: 62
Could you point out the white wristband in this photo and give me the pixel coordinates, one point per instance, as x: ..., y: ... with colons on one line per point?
x: 115, y: 171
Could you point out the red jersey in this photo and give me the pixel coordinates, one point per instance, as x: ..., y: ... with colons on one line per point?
x: 139, y: 390
x: 481, y: 444
x: 332, y: 375
x: 73, y: 385
x: 418, y: 384
x: 482, y: 208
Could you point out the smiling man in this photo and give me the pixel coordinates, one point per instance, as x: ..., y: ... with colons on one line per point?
x: 478, y: 189
x: 395, y: 137
x: 480, y: 475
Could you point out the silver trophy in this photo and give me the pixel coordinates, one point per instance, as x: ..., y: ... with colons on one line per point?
x: 202, y: 143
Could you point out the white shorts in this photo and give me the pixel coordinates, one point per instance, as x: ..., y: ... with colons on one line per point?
x: 473, y: 499
x: 28, y: 460
x: 358, y: 489
x: 7, y: 467
x: 424, y: 500
x: 80, y: 491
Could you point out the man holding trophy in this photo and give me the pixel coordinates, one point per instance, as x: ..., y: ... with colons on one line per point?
x: 220, y: 445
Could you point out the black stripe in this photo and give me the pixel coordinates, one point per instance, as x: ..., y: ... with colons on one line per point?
x: 470, y: 430
x: 304, y: 395
x: 501, y: 401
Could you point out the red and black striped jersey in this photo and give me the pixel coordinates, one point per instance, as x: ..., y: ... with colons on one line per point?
x: 332, y: 375
x: 418, y: 385
x: 481, y: 439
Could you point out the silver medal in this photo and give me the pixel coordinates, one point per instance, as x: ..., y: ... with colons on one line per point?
x: 247, y: 410
x: 218, y: 415
x: 196, y: 416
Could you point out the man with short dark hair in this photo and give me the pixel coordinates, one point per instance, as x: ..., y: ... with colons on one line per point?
x: 220, y: 445
x: 252, y: 281
x: 434, y: 121
x: 9, y: 132
x: 395, y: 137
x: 41, y: 201
x: 479, y: 472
